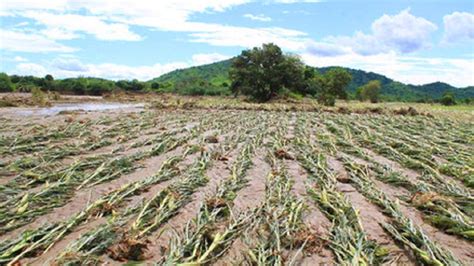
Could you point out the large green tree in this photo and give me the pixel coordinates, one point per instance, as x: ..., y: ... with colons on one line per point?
x: 262, y: 72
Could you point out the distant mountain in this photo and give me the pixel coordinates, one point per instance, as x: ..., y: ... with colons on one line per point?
x: 215, y: 77
x: 437, y: 89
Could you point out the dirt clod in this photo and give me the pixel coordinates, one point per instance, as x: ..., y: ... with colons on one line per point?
x: 129, y: 249
x: 212, y: 139
x: 282, y: 154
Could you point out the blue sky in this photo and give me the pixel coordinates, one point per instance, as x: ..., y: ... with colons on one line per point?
x: 411, y: 41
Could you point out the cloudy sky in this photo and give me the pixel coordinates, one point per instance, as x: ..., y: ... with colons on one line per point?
x: 411, y: 41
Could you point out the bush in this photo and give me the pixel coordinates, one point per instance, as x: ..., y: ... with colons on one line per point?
x: 448, y: 99
x: 99, y: 86
x: 370, y: 91
x: 155, y: 85
x: 330, y: 86
x: 207, y: 90
x: 5, y: 83
x: 194, y: 91
x: 326, y: 99
x: 217, y: 91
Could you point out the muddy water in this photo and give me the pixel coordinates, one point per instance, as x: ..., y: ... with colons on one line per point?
x: 68, y: 107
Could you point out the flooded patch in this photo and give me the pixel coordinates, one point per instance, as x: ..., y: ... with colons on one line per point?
x: 86, y: 107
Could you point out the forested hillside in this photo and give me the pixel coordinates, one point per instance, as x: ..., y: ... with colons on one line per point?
x: 211, y: 79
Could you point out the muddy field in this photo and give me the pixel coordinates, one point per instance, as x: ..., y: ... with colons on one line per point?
x: 236, y: 187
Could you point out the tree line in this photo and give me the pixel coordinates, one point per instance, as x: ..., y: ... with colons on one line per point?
x: 78, y: 86
x: 261, y: 73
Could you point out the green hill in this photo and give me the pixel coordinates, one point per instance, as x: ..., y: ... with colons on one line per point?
x: 214, y: 79
x: 216, y: 73
x: 211, y: 79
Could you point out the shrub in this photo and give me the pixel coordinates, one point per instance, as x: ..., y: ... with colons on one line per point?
x: 39, y: 97
x: 5, y: 83
x: 331, y: 86
x: 448, y: 99
x: 370, y: 91
x: 326, y: 99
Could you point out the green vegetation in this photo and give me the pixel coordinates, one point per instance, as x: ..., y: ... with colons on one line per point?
x: 333, y: 84
x: 448, y: 99
x: 5, y: 83
x: 390, y: 90
x: 211, y: 79
x: 78, y: 86
x: 370, y: 91
x: 274, y: 185
x: 262, y: 73
x: 259, y: 81
x: 265, y: 73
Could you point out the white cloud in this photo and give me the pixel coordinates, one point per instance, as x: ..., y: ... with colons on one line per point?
x: 19, y: 59
x: 14, y: 59
x: 59, y: 34
x: 403, y: 33
x: 67, y: 66
x: 30, y: 69
x: 458, y: 26
x: 379, y: 50
x: 21, y: 24
x: 115, y: 71
x: 247, y: 37
x: 19, y: 41
x: 297, y: 1
x: 259, y: 17
x: 325, y: 49
x: 70, y: 64
x: 65, y: 19
x: 363, y: 44
x: 66, y: 26
x: 106, y: 70
x: 202, y: 59
x: 162, y: 15
x: 384, y: 50
x: 407, y: 69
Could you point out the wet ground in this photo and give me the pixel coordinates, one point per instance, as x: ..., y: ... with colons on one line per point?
x: 80, y: 107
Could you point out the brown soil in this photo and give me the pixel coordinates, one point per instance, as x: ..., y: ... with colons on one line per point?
x: 370, y: 215
x: 160, y: 240
x: 48, y: 257
x: 247, y: 199
x: 253, y: 194
x: 313, y: 218
x: 189, y: 115
x: 459, y: 247
x: 85, y: 196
